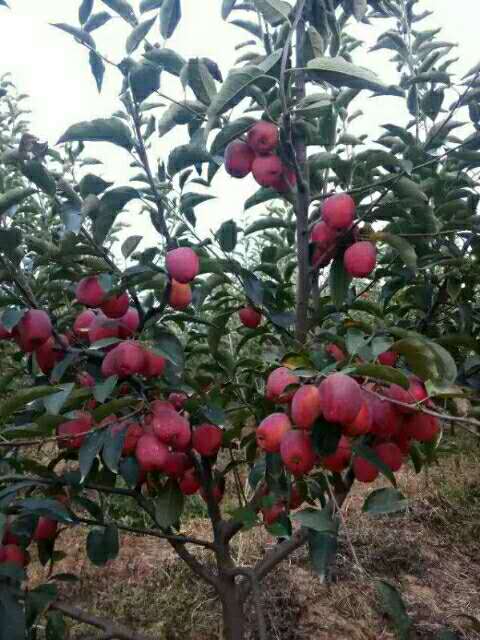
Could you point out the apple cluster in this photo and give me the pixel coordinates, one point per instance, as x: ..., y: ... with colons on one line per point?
x: 258, y: 156
x: 338, y: 214
x: 358, y: 410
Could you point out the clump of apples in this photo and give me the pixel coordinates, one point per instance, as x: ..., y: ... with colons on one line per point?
x: 336, y: 224
x: 258, y: 155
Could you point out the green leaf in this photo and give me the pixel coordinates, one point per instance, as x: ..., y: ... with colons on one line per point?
x: 56, y: 627
x: 246, y: 516
x: 130, y: 244
x: 150, y: 5
x: 268, y: 222
x: 37, y: 600
x: 446, y: 364
x: 185, y: 156
x: 359, y: 8
x: 169, y: 346
x: 382, y: 372
x: 420, y: 357
x: 369, y: 455
x: 178, y: 114
x: 54, y: 402
x: 36, y: 172
x: 138, y: 34
x: 170, y: 15
x: 405, y: 188
x: 98, y: 69
x: 92, y: 184
x: 14, y: 197
x: 393, y: 606
x: 10, y: 239
x: 85, y: 11
x: 79, y: 34
x: 100, y: 130
x: 339, y: 282
x: 46, y: 507
x: 113, y: 445
x: 274, y: 11
x: 89, y: 451
x: 103, y: 545
x: 317, y: 519
x: 96, y: 21
x: 111, y: 204
x: 385, y: 500
x: 227, y: 236
x: 253, y: 288
x: 260, y: 196
x: 144, y: 80
x: 227, y: 6
x: 124, y: 10
x: 402, y: 246
x: 340, y: 73
x: 12, y: 615
x: 103, y: 390
x: 130, y: 471
x: 431, y: 76
x: 322, y: 549
x: 168, y: 59
x: 169, y: 505
x: 231, y: 131
x: 22, y: 398
x: 355, y: 340
x: 200, y: 80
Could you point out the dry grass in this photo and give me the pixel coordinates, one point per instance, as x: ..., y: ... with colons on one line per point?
x: 432, y: 553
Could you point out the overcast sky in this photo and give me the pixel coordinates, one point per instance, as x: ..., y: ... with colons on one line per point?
x: 53, y: 69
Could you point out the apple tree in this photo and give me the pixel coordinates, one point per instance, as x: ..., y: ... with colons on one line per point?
x: 330, y: 340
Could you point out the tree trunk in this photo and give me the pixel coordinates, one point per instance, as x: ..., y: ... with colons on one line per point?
x: 233, y: 612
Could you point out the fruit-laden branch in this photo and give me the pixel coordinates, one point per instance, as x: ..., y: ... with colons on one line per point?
x: 111, y: 630
x: 281, y: 551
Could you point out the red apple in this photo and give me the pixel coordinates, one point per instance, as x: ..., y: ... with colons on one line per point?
x: 296, y: 498
x: 189, y: 483
x: 306, y: 406
x: 207, y: 439
x: 153, y: 366
x: 323, y: 235
x: 13, y: 554
x: 335, y: 352
x: 277, y: 382
x: 340, y: 397
x: 180, y: 295
x: 273, y: 513
x: 49, y: 353
x: 176, y: 464
x: 126, y: 359
x: 128, y: 323
x: 102, y: 328
x: 268, y: 171
x: 46, y: 529
x: 33, y: 330
x: 360, y: 259
x: 250, y: 317
x: 422, y: 427
x: 178, y: 400
x: 338, y: 211
x: 217, y: 491
x: 263, y: 137
x: 364, y: 471
x: 340, y: 459
x: 362, y: 423
x: 297, y: 452
x: 238, y: 158
x: 386, y: 421
x: 182, y: 264
x: 390, y: 454
x: 151, y: 454
x: 133, y: 434
x: 90, y: 292
x: 83, y: 322
x: 271, y: 430
x: 172, y: 429
x: 73, y: 432
x: 388, y: 358
x: 115, y: 306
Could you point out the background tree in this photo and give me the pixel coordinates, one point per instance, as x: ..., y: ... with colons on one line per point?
x: 357, y: 323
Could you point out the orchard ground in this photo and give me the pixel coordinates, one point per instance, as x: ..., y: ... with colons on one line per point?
x: 432, y: 553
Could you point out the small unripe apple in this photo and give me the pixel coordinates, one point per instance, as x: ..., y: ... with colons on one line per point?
x: 115, y: 306
x: 182, y: 264
x: 13, y: 554
x: 250, y: 317
x: 102, y: 328
x: 268, y: 171
x: 340, y: 459
x: 49, y: 353
x: 360, y: 259
x: 46, y: 529
x: 207, y: 440
x: 126, y: 359
x: 33, y: 330
x: 180, y: 295
x: 176, y: 464
x: 263, y: 137
x: 422, y: 427
x: 128, y: 323
x: 306, y: 406
x: 364, y: 470
x: 271, y: 430
x: 297, y: 452
x: 151, y: 454
x: 273, y: 513
x: 153, y: 366
x: 323, y: 235
x: 133, y: 434
x: 277, y: 382
x: 362, y: 423
x: 388, y: 358
x: 83, y: 322
x: 74, y: 432
x: 390, y: 454
x: 335, y: 352
x: 172, y: 429
x: 338, y: 211
x: 189, y: 483
x: 340, y: 397
x: 238, y: 158
x: 177, y: 400
x: 90, y: 292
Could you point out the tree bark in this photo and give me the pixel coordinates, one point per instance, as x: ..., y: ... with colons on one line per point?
x: 233, y: 612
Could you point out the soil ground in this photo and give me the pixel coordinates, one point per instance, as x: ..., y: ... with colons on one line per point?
x: 432, y: 554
